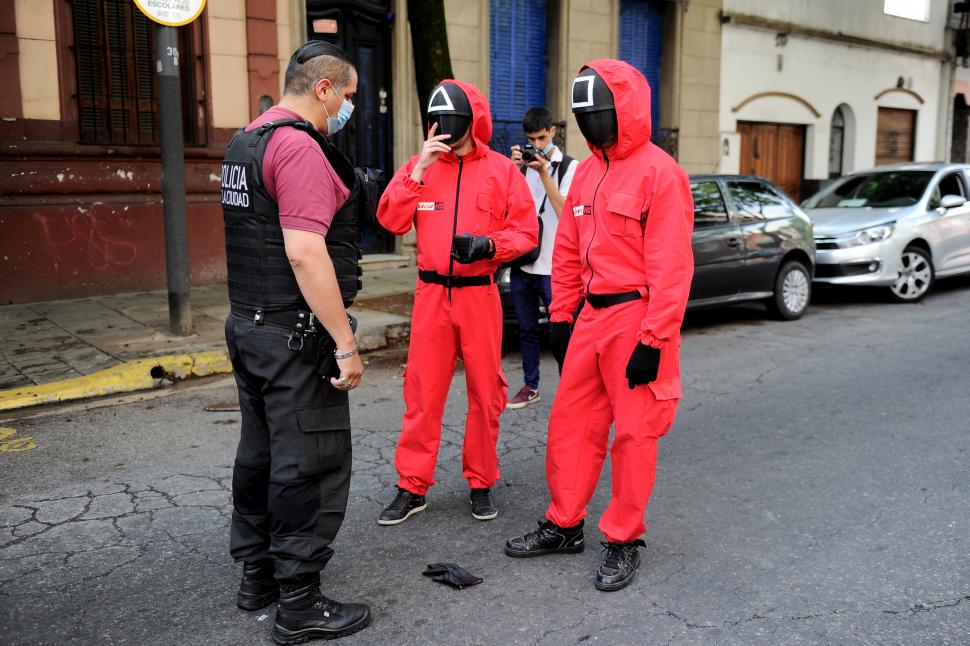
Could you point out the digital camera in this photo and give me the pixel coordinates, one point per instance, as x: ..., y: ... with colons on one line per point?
x: 530, y: 153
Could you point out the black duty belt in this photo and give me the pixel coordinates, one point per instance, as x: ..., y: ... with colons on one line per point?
x: 282, y: 318
x: 435, y: 278
x: 599, y: 301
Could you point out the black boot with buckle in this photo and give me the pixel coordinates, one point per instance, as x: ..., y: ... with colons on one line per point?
x: 305, y: 614
x: 619, y: 566
x: 258, y: 588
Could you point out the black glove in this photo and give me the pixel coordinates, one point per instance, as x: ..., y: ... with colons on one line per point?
x: 451, y: 574
x: 467, y: 248
x: 559, y: 340
x: 643, y: 365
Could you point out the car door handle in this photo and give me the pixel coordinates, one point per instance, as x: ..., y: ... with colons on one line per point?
x: 733, y: 242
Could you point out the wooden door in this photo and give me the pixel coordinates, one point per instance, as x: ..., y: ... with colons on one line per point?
x: 895, y: 134
x: 775, y: 151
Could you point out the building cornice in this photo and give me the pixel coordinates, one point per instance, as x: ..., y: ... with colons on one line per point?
x: 792, y: 29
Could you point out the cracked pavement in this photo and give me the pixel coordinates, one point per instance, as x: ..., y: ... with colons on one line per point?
x: 813, y: 491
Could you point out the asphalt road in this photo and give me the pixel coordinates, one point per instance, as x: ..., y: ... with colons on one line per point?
x: 814, y: 490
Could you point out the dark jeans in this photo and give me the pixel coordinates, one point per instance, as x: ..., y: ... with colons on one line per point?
x: 291, y: 478
x: 527, y: 289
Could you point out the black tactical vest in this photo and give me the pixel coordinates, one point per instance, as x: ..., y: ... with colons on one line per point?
x: 260, y: 276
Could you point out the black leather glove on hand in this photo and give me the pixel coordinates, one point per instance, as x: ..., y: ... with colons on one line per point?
x: 451, y: 574
x: 643, y: 365
x: 559, y: 340
x: 467, y: 248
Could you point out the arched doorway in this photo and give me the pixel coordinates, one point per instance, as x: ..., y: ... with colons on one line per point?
x: 841, y: 141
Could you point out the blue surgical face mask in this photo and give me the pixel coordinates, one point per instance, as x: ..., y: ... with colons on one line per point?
x: 334, y: 124
x: 548, y: 149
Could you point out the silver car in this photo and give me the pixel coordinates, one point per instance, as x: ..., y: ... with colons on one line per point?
x: 895, y: 226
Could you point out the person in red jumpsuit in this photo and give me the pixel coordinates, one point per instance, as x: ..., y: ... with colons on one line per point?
x: 623, y: 244
x: 473, y: 211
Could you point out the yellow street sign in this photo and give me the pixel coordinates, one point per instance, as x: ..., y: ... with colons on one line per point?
x: 171, y: 13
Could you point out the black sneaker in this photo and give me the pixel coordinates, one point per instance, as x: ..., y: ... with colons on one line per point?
x: 305, y: 614
x: 258, y: 587
x: 620, y: 563
x: 550, y: 538
x: 404, y: 505
x: 482, y: 506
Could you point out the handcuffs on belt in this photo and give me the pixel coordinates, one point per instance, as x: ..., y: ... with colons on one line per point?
x: 316, y: 346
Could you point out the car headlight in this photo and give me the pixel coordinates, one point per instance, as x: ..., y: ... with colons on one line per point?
x: 865, y: 236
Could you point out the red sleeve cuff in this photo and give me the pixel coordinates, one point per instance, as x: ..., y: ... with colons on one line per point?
x: 560, y: 317
x: 411, y: 185
x: 647, y: 338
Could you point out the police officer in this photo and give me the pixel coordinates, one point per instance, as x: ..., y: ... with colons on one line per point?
x: 623, y: 244
x: 289, y: 202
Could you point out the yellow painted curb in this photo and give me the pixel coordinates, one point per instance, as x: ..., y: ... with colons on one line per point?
x: 142, y: 374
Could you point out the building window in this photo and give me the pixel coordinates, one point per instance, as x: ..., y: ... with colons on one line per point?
x: 836, y: 143
x: 517, y: 69
x: 117, y: 94
x: 911, y: 9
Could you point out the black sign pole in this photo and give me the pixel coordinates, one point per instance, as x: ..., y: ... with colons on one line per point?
x: 173, y: 179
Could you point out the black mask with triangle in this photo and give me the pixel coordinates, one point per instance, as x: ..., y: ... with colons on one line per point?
x: 450, y: 109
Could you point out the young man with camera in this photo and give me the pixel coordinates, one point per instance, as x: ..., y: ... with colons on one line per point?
x: 549, y: 173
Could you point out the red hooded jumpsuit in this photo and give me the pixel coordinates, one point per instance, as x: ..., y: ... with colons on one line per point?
x: 482, y: 193
x: 626, y: 226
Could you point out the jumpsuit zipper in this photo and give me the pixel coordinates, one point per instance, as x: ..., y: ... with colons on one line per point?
x: 454, y: 228
x: 593, y: 208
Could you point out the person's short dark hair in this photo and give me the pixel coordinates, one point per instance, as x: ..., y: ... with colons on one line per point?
x: 315, y: 60
x: 537, y: 118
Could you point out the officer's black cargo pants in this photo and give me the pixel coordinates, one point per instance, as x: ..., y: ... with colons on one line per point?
x: 292, y: 473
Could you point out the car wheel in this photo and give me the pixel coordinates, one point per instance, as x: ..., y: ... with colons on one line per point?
x: 793, y: 291
x: 915, y: 276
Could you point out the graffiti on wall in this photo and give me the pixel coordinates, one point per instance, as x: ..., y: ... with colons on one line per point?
x: 65, y: 234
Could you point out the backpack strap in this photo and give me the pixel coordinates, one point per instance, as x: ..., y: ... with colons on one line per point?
x: 564, y: 164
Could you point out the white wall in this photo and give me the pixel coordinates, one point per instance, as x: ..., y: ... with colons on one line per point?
x: 863, y: 18
x: 825, y: 74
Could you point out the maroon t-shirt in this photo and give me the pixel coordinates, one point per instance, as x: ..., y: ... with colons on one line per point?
x: 299, y: 177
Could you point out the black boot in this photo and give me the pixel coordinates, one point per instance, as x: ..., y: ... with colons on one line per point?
x: 258, y: 588
x: 305, y: 614
x: 620, y: 563
x: 550, y: 538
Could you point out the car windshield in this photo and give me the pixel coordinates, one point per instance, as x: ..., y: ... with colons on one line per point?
x: 892, y: 188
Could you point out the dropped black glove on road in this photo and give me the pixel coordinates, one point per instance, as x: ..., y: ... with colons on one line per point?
x: 467, y: 248
x: 643, y: 365
x: 451, y: 574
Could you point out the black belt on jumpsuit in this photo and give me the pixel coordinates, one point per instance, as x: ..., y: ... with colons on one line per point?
x: 435, y: 278
x: 599, y: 301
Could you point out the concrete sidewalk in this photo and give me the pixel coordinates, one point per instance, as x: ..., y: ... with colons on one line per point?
x: 52, y: 351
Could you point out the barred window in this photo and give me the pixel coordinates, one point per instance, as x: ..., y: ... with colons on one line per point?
x: 114, y: 51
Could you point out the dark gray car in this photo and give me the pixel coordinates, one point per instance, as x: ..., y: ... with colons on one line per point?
x: 751, y: 243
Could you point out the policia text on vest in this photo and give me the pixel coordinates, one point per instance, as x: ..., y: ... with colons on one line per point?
x: 235, y: 186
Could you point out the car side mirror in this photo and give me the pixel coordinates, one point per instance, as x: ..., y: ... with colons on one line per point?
x: 952, y: 201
